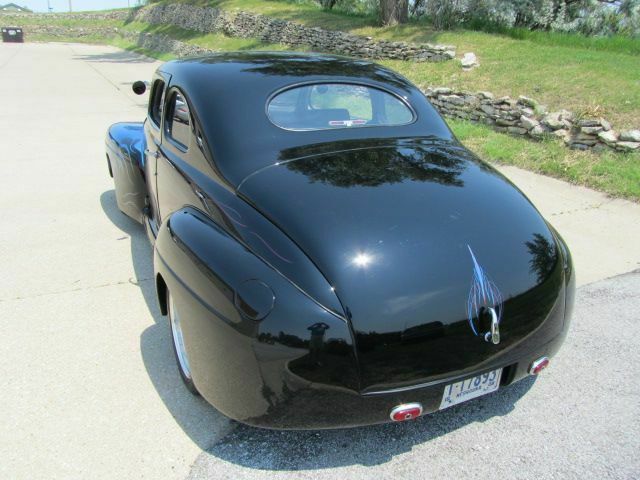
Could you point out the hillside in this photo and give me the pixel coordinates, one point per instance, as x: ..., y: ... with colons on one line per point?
x: 591, y: 77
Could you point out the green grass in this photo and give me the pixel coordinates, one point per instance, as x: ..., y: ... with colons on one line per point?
x: 613, y: 173
x: 578, y: 73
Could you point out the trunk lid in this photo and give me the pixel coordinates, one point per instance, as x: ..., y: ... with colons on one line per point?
x: 418, y: 240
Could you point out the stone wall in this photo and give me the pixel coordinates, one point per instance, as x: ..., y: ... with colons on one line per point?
x: 525, y: 117
x: 273, y: 30
x: 266, y: 29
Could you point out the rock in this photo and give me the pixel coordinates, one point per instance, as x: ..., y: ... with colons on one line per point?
x: 529, y: 102
x: 585, y: 139
x: 562, y: 133
x: 469, y: 61
x: 537, y: 131
x: 505, y: 123
x: 566, y: 115
x: 527, y: 112
x: 591, y: 130
x: 487, y: 95
x: 609, y: 137
x: 567, y: 123
x: 630, y: 136
x: 528, y: 123
x: 453, y: 99
x: 517, y: 130
x: 488, y: 109
x: 588, y: 122
x: 627, y: 146
x: 605, y: 125
x: 599, y: 147
x: 578, y: 146
x: 442, y: 91
x: 553, y: 121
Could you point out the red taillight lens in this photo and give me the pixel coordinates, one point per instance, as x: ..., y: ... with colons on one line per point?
x: 407, y: 411
x: 539, y: 365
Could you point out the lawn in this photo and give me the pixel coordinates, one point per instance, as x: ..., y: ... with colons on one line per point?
x: 574, y: 72
x: 576, y: 78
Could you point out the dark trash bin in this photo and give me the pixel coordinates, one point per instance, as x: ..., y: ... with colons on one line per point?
x: 12, y: 34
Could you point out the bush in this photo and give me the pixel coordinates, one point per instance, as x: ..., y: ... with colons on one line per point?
x: 589, y: 17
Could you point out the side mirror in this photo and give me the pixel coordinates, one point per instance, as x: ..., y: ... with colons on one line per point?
x: 139, y: 87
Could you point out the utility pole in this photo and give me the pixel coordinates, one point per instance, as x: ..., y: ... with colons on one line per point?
x: 49, y: 6
x: 70, y: 9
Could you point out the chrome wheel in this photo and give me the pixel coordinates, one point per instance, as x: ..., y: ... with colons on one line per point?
x: 178, y: 339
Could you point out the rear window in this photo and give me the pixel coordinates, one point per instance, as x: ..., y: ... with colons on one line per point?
x: 327, y: 106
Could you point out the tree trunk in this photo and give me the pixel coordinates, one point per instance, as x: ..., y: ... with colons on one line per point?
x: 393, y: 12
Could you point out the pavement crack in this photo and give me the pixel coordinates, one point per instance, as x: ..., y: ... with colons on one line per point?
x: 131, y: 281
x: 107, y: 79
x: 583, y: 209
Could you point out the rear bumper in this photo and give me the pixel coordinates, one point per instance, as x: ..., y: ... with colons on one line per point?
x: 318, y: 407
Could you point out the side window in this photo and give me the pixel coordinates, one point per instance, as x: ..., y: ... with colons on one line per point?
x: 178, y: 120
x: 155, y: 102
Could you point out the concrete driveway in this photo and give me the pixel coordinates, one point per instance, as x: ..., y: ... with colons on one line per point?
x: 88, y: 386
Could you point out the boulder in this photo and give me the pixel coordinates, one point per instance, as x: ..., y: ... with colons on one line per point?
x: 488, y: 109
x: 537, y: 131
x: 609, y: 137
x: 627, y: 146
x: 529, y: 102
x: 589, y: 122
x: 591, y: 130
x: 562, y: 133
x: 528, y: 123
x: 553, y: 121
x: 630, y: 136
x: 453, y: 99
x: 469, y: 61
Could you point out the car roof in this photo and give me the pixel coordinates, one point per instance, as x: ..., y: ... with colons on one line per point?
x: 228, y: 94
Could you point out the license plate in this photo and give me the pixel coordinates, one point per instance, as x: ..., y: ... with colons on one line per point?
x: 469, y: 388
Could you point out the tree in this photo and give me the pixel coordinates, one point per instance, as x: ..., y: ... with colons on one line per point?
x: 393, y: 12
x: 327, y: 4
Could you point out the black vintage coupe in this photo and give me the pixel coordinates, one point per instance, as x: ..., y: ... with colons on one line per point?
x: 328, y: 254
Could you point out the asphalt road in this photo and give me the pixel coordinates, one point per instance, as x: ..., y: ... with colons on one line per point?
x: 88, y: 386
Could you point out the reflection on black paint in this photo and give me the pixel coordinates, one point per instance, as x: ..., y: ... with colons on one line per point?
x: 543, y: 256
x: 316, y: 343
x: 372, y: 167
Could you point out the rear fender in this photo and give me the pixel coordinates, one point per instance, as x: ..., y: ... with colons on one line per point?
x: 246, y: 367
x: 125, y: 145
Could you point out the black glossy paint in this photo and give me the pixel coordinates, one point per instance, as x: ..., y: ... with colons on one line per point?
x: 323, y: 277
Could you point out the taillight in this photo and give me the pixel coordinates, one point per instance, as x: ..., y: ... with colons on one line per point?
x: 407, y: 411
x: 539, y: 365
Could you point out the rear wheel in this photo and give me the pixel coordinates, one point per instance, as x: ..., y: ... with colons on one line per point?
x: 178, y: 344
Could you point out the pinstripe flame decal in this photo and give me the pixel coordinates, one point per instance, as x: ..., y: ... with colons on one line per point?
x: 483, y: 293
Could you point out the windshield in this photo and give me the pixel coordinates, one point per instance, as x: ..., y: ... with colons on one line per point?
x: 337, y: 105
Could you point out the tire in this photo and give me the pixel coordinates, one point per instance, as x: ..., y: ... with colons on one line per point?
x: 177, y: 340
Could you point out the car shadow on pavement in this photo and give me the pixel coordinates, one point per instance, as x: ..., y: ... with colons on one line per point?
x: 271, y: 449
x: 199, y: 420
x: 308, y: 450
